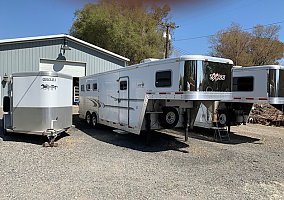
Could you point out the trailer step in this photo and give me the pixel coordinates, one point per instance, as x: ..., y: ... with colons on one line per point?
x: 221, y: 134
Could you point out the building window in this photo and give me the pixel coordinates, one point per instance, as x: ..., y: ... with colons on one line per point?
x: 163, y: 79
x: 82, y: 88
x: 88, y: 87
x: 95, y: 86
x: 243, y: 84
x: 123, y: 85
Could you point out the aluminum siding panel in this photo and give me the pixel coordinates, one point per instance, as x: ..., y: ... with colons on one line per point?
x: 25, y: 57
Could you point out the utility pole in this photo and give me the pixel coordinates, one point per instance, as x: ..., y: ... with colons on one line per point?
x: 168, y: 26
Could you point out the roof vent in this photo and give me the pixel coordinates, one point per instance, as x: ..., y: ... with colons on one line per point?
x: 149, y: 60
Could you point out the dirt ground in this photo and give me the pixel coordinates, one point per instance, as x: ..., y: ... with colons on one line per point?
x: 101, y: 164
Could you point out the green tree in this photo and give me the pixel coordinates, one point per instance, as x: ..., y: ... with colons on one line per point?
x: 129, y: 29
x: 260, y: 47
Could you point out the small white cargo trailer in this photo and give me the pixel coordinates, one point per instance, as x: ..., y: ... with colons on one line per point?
x: 38, y: 103
x: 184, y: 91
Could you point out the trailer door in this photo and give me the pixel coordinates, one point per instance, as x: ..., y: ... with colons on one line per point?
x: 123, y: 100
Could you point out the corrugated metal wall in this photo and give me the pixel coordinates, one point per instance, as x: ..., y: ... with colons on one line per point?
x: 24, y: 57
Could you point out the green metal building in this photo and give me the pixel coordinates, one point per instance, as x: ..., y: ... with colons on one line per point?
x: 60, y: 53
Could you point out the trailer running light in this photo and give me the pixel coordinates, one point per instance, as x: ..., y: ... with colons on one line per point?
x: 249, y: 98
x: 263, y: 98
x: 237, y: 98
x: 164, y: 93
x: 178, y: 92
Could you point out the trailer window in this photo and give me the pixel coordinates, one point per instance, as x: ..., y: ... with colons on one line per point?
x: 95, y: 86
x: 163, y: 79
x: 123, y: 85
x: 243, y: 84
x: 82, y: 88
x: 281, y: 83
x: 88, y: 87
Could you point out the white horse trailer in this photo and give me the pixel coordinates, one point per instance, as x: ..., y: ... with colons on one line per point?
x: 38, y: 103
x: 257, y: 84
x: 175, y: 92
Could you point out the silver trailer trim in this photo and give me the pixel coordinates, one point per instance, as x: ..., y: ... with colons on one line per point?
x: 42, y: 73
x: 40, y: 119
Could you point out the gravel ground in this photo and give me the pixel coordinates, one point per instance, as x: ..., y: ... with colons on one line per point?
x: 101, y: 164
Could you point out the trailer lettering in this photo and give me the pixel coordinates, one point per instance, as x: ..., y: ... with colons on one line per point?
x: 48, y: 79
x: 217, y: 77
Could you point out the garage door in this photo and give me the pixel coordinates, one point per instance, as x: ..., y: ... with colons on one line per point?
x: 74, y: 69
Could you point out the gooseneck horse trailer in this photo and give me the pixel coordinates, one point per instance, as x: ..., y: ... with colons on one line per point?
x: 168, y: 93
x: 257, y: 84
x: 38, y: 103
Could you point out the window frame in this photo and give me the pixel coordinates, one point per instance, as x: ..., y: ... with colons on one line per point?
x: 82, y: 88
x: 171, y: 77
x: 121, y: 85
x: 95, y: 88
x: 250, y: 89
x: 88, y: 87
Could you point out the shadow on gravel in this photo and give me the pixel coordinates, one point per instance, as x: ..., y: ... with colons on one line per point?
x: 158, y: 141
x: 208, y: 135
x: 27, y: 138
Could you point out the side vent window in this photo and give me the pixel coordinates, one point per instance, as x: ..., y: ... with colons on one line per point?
x: 163, y: 79
x: 243, y: 84
x: 95, y: 86
x: 123, y: 85
x: 88, y: 87
x: 82, y: 88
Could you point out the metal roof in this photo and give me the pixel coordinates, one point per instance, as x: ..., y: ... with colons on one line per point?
x: 169, y: 60
x: 59, y: 36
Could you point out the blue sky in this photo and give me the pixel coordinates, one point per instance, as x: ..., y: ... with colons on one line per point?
x: 20, y: 18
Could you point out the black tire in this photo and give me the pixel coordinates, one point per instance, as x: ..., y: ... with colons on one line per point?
x: 94, y: 120
x: 169, y: 118
x: 4, y: 131
x: 88, y: 118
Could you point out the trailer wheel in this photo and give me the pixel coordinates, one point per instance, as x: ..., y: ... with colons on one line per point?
x: 222, y: 119
x: 169, y: 118
x: 88, y: 118
x: 94, y: 121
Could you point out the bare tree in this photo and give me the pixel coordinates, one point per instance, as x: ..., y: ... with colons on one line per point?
x: 260, y: 47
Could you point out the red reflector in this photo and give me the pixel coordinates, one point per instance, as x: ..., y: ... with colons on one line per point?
x: 237, y: 98
x: 263, y: 99
x: 162, y: 93
x: 178, y: 92
x: 249, y: 98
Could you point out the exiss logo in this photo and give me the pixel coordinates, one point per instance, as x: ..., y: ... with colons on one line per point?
x: 217, y: 77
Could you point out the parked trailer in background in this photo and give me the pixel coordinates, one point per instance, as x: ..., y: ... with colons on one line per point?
x: 167, y: 93
x: 256, y: 84
x: 38, y: 103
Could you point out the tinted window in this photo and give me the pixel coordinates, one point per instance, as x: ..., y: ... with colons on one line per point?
x: 243, y: 84
x: 190, y: 75
x: 214, y: 76
x: 95, y: 86
x: 82, y: 88
x: 88, y: 87
x: 163, y: 79
x: 123, y: 85
x: 281, y: 83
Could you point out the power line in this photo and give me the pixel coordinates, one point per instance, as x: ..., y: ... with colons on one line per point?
x: 207, y: 36
x: 181, y: 50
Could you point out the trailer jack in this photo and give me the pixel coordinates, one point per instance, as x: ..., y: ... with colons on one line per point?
x: 51, y: 136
